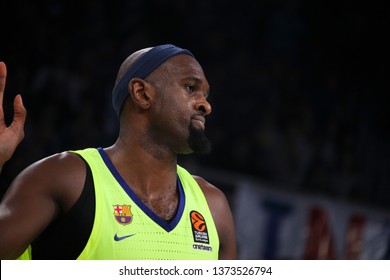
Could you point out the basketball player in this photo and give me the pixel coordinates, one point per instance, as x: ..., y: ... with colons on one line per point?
x: 130, y: 200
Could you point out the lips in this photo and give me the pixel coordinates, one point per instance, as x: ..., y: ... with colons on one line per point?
x: 199, y: 121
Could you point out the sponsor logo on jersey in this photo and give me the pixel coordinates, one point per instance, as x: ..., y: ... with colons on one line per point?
x: 122, y: 214
x: 119, y: 238
x: 199, y: 227
x: 202, y: 247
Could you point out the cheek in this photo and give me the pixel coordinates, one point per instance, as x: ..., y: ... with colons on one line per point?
x: 179, y: 109
x: 172, y: 115
x: 180, y: 119
x: 176, y: 108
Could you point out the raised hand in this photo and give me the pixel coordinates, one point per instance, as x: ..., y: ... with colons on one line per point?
x: 12, y: 135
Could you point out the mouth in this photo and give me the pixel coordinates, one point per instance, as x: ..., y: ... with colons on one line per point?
x: 199, y: 121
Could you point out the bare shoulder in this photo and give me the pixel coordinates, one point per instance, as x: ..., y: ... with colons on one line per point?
x: 209, y: 189
x: 59, y: 167
x: 223, y: 218
x: 38, y: 195
x: 62, y: 160
x: 216, y: 199
x: 60, y: 176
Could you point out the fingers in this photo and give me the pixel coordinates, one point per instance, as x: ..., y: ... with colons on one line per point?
x: 19, y: 110
x: 3, y: 77
x: 10, y: 136
x: 20, y: 114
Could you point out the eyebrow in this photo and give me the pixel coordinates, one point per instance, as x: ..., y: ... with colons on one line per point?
x: 193, y: 78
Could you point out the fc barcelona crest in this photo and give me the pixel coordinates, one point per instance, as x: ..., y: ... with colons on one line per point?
x: 123, y: 214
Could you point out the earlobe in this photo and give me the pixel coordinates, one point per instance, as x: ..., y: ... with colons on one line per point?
x: 139, y: 93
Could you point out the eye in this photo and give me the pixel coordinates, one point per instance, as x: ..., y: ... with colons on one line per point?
x: 190, y: 88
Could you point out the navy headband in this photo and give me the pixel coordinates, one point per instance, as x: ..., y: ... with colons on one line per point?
x: 145, y: 65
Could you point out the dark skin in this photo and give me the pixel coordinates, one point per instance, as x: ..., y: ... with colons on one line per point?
x: 157, y: 115
x: 10, y: 136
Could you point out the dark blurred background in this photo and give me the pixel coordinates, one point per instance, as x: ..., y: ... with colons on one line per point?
x: 299, y: 88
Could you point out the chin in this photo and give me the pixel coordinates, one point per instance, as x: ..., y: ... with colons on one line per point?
x: 198, y: 142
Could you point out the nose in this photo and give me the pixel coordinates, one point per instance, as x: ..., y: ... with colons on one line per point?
x: 202, y: 105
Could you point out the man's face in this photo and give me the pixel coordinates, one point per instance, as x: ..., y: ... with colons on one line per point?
x: 181, y: 91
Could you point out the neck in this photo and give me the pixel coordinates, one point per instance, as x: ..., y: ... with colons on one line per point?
x: 148, y: 170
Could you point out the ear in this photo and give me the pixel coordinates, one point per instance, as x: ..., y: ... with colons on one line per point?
x: 140, y: 93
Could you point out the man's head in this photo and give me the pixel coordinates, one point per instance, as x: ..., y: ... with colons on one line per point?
x: 139, y: 65
x: 168, y: 90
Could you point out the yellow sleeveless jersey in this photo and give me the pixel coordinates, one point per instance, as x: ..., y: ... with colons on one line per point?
x: 125, y: 228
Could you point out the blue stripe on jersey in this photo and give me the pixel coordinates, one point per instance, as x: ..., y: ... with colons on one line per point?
x: 168, y: 226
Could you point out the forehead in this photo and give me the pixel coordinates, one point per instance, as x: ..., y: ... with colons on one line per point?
x: 183, y: 66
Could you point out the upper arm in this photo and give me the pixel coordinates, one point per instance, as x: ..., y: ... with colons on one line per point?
x: 37, y: 196
x: 223, y: 218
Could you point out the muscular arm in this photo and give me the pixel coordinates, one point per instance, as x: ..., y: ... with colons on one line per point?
x: 38, y: 195
x: 223, y: 219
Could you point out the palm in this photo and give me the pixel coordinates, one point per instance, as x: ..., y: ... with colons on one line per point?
x: 10, y: 136
x: 9, y: 139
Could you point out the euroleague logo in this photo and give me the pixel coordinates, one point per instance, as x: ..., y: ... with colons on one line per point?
x: 199, y: 227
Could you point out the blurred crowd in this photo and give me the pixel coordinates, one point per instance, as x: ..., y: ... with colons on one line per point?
x: 297, y: 87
